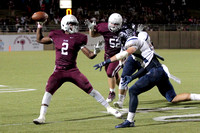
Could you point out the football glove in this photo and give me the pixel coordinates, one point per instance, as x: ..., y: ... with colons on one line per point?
x: 40, y: 24
x: 126, y: 80
x: 98, y: 47
x: 100, y: 65
x: 89, y: 24
x: 140, y: 27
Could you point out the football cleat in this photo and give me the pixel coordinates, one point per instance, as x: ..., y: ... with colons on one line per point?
x: 125, y: 124
x: 118, y: 104
x: 111, y: 97
x: 39, y: 121
x: 114, y: 112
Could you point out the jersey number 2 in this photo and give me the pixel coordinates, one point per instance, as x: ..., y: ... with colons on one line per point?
x: 64, y: 49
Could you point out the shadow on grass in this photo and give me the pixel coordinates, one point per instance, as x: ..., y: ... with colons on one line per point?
x: 167, y: 106
x: 82, y: 119
x: 153, y: 101
x: 89, y: 118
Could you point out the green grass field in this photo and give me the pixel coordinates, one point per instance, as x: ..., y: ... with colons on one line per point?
x: 73, y: 111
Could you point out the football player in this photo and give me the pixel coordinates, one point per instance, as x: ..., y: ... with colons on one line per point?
x: 130, y: 65
x: 109, y: 30
x: 151, y: 74
x: 68, y: 42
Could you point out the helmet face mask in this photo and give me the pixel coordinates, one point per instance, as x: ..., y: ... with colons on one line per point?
x: 115, y: 22
x: 125, y: 34
x: 70, y: 24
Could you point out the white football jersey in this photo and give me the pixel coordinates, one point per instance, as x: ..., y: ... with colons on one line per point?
x: 144, y: 53
x: 144, y: 36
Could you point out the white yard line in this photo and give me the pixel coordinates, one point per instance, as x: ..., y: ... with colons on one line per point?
x: 8, y: 89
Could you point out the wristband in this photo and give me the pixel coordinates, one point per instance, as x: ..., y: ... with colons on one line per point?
x: 108, y: 61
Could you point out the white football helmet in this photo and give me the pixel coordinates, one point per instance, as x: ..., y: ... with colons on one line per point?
x: 115, y: 22
x: 70, y: 24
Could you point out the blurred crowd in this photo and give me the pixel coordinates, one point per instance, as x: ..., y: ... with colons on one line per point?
x: 136, y: 11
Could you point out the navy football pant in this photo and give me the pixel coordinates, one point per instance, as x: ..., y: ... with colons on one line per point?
x: 155, y: 77
x: 130, y: 67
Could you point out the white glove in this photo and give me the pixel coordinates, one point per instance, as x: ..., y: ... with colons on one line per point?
x: 140, y: 27
x: 40, y: 24
x: 98, y: 47
x: 89, y: 24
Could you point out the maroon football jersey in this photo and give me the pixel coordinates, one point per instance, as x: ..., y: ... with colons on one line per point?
x: 67, y: 47
x: 112, y: 44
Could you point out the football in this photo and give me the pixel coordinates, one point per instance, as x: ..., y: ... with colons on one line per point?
x: 39, y: 16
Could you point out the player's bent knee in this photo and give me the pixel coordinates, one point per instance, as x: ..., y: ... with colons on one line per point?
x: 134, y: 90
x: 110, y: 75
x: 171, y: 96
x: 174, y: 100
